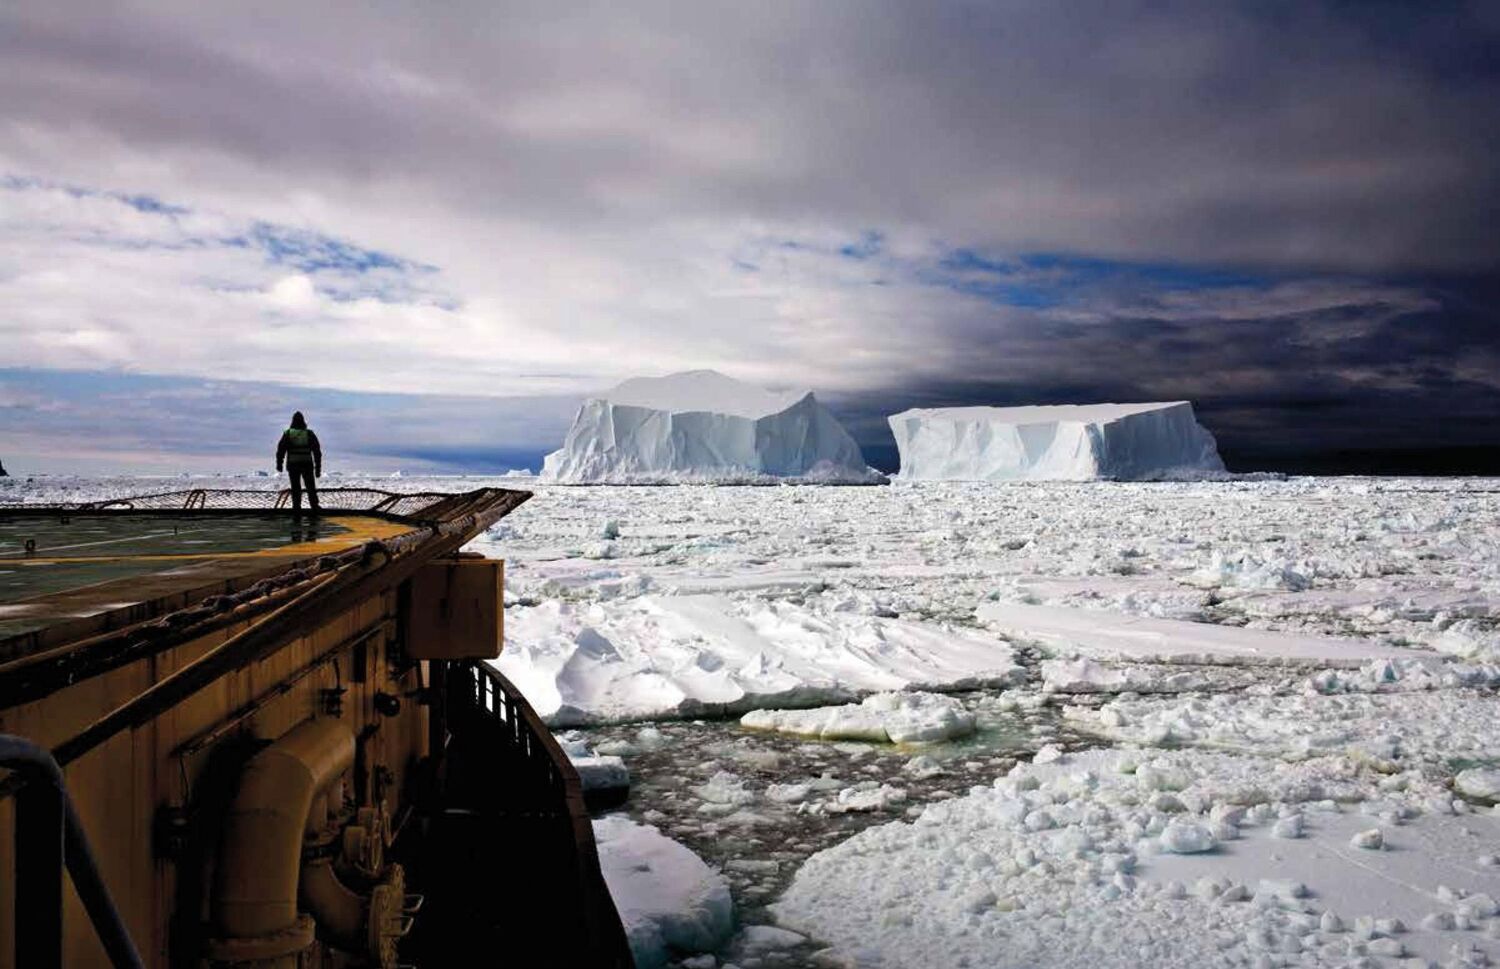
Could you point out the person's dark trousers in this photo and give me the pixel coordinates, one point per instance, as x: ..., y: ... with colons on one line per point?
x: 302, y: 477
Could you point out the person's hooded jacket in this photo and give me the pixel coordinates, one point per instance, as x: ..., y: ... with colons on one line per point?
x: 299, y: 445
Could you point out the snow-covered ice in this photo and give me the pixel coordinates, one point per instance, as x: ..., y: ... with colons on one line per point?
x: 899, y: 718
x: 1383, y: 730
x: 1478, y: 782
x: 703, y: 426
x: 1127, y: 870
x: 602, y: 776
x: 1067, y: 442
x: 666, y: 655
x: 1144, y: 638
x: 670, y: 901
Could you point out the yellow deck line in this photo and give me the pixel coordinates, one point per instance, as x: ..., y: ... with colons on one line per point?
x: 361, y: 529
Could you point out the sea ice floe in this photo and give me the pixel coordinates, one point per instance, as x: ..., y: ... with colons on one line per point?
x: 725, y: 788
x: 902, y: 718
x: 1479, y: 782
x: 1084, y: 874
x: 1186, y: 838
x: 1097, y: 634
x: 598, y: 774
x: 1381, y: 730
x: 670, y: 901
x: 866, y: 796
x: 653, y: 656
x: 758, y: 939
x: 1083, y: 675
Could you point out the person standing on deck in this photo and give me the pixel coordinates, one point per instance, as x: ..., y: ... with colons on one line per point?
x: 303, y: 455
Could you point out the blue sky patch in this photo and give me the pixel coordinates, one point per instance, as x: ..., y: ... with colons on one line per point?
x: 312, y: 252
x: 867, y: 246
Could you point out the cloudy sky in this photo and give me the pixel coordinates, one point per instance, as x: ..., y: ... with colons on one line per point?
x: 435, y: 227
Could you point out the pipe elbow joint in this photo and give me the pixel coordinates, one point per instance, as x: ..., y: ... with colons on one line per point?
x: 260, y: 860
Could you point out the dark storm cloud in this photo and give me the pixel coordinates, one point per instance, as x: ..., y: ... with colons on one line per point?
x: 1337, y: 134
x: 1355, y: 385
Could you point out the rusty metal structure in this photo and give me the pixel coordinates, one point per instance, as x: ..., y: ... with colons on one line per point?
x: 229, y: 738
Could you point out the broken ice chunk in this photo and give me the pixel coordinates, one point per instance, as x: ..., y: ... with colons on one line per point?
x: 1186, y: 838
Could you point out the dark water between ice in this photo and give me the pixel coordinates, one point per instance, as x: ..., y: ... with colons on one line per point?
x: 760, y: 844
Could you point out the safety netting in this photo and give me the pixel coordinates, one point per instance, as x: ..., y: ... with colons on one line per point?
x: 408, y: 505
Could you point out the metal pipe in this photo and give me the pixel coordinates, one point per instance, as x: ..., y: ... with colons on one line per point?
x: 261, y: 859
x: 341, y: 914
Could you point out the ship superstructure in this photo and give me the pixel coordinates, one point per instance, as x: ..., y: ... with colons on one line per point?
x: 233, y: 738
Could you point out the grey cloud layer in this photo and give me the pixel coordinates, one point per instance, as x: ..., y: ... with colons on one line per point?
x: 1347, y: 135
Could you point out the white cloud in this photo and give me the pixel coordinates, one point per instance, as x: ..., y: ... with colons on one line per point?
x: 293, y: 293
x: 94, y: 281
x: 581, y: 193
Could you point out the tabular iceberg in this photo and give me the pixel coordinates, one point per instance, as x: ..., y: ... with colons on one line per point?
x: 1068, y: 442
x: 704, y: 426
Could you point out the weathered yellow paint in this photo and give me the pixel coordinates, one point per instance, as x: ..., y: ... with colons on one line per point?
x: 458, y: 609
x: 361, y: 529
x: 119, y: 786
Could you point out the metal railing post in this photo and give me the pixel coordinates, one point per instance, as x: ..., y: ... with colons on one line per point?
x: 48, y: 836
x: 83, y: 868
x: 39, y: 873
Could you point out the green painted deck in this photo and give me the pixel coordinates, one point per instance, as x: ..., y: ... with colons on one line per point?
x: 88, y: 563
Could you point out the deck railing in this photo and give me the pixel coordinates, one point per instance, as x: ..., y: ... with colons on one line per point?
x: 404, y: 504
x: 481, y: 699
x: 49, y: 838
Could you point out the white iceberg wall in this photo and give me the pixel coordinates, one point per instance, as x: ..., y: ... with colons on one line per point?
x: 980, y: 447
x: 609, y: 441
x: 1145, y: 444
x: 1053, y: 443
x: 719, y: 438
x: 805, y: 440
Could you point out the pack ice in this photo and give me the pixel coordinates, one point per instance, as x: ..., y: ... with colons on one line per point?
x: 704, y: 426
x: 1067, y: 442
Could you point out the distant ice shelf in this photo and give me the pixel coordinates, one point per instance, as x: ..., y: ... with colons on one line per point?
x: 704, y: 426
x: 1067, y: 442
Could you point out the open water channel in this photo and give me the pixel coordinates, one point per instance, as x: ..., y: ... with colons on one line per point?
x: 756, y: 805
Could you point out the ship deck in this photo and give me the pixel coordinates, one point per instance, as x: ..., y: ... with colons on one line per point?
x: 56, y: 566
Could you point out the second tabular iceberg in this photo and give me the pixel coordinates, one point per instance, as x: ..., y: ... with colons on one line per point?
x: 1067, y: 442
